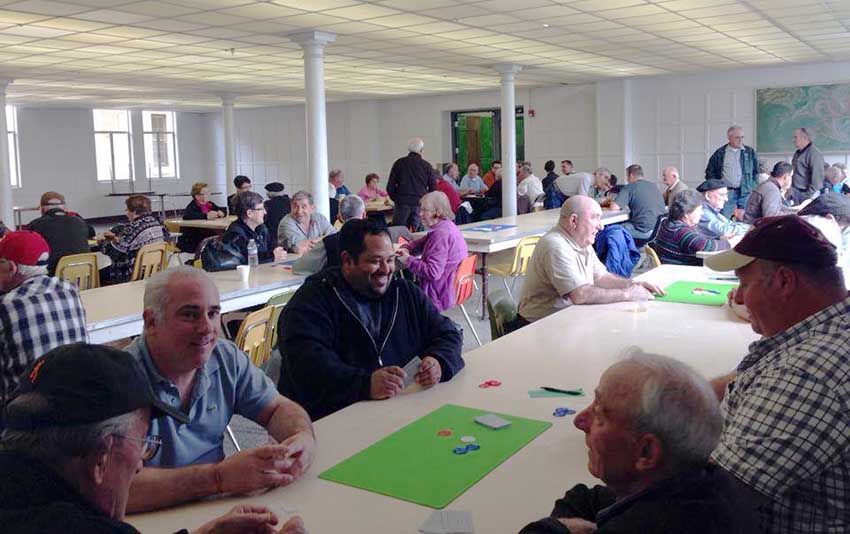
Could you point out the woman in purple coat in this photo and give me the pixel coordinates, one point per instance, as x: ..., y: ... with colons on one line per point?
x: 434, y: 258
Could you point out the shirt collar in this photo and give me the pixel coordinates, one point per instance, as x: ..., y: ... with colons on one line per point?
x: 575, y: 246
x: 761, y: 348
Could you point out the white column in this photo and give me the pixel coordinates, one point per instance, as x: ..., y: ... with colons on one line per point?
x: 228, y: 125
x: 313, y: 43
x: 508, y: 71
x: 6, y: 214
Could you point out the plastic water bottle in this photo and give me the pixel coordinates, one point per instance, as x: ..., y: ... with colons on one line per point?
x: 253, y: 258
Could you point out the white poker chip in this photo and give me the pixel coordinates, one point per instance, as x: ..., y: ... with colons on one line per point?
x: 467, y: 439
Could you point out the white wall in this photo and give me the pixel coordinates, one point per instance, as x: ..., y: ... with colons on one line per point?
x: 682, y: 120
x: 368, y: 136
x: 56, y: 147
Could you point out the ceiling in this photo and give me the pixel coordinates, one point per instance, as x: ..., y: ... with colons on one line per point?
x: 182, y: 53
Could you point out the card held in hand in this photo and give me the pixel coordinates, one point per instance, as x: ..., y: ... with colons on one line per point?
x: 411, y: 369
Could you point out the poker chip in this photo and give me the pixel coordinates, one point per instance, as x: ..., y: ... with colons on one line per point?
x: 460, y: 450
x: 444, y: 433
x: 490, y: 384
x: 467, y: 439
x: 473, y: 447
x: 561, y: 412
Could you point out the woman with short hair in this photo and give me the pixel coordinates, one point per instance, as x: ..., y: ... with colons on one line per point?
x: 678, y: 238
x: 434, y: 258
x: 144, y: 229
x: 371, y: 192
x: 198, y: 209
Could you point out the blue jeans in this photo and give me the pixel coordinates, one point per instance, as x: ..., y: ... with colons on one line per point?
x: 735, y: 201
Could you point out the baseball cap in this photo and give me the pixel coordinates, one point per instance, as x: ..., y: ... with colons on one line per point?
x: 24, y: 248
x: 829, y: 203
x: 785, y: 239
x: 83, y: 384
x: 711, y: 185
x: 52, y: 198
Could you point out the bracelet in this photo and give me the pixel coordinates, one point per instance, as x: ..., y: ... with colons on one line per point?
x: 219, y: 483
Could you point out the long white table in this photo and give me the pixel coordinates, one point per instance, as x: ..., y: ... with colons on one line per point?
x: 526, y: 225
x: 115, y: 312
x: 568, y: 349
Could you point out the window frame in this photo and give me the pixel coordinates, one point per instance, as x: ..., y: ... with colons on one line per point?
x: 12, y: 143
x: 158, y: 139
x: 112, y: 134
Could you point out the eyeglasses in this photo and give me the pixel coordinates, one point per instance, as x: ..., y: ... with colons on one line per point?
x: 150, y: 447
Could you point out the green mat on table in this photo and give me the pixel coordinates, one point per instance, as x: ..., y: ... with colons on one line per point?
x: 416, y: 464
x: 684, y: 292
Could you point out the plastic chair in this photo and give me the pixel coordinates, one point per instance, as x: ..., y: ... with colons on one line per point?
x: 150, y: 259
x: 501, y: 313
x: 277, y: 302
x: 464, y: 288
x: 522, y: 257
x: 80, y: 269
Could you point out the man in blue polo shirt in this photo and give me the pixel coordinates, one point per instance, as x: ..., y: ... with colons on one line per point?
x: 209, y: 379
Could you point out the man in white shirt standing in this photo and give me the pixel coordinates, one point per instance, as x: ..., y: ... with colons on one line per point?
x: 528, y: 184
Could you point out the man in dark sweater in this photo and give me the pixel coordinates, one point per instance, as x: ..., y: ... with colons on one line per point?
x: 410, y: 178
x: 65, y: 231
x: 278, y: 206
x: 349, y: 330
x: 649, y: 432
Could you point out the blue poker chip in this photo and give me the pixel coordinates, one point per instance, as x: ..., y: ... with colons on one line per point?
x: 561, y: 412
x: 460, y: 450
x: 473, y: 447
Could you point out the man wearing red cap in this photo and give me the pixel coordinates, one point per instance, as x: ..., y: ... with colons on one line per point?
x: 786, y: 429
x: 37, y: 312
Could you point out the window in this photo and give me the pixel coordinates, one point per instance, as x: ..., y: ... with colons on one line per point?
x: 160, y: 143
x: 113, y: 151
x: 14, y: 157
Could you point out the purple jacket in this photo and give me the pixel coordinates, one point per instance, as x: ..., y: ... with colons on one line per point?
x: 441, y: 250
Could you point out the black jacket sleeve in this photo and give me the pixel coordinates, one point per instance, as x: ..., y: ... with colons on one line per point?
x: 323, y: 383
x: 580, y: 502
x: 193, y: 212
x: 445, y: 341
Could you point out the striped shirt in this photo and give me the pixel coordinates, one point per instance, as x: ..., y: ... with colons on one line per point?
x: 678, y: 243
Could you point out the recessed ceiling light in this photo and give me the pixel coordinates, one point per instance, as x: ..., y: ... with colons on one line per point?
x: 545, y: 25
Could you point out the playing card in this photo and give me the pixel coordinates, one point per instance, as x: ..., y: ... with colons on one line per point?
x: 492, y: 421
x: 411, y: 369
x: 447, y: 522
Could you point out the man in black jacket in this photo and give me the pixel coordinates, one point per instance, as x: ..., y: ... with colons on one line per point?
x: 277, y: 207
x: 249, y: 208
x: 348, y: 331
x: 649, y: 432
x: 66, y: 232
x: 410, y: 178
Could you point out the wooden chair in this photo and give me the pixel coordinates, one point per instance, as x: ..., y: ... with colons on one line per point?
x: 465, y: 287
x: 150, y: 259
x: 80, y: 269
x: 522, y: 257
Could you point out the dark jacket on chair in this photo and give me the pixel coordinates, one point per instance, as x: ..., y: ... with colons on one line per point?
x: 329, y: 352
x: 276, y: 209
x: 617, y: 250
x: 65, y: 234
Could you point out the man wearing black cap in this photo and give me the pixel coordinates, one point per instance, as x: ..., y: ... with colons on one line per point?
x: 277, y: 207
x: 713, y: 223
x: 786, y: 431
x: 76, y: 435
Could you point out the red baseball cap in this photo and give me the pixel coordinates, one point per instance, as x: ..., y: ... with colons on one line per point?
x: 24, y: 248
x: 784, y: 239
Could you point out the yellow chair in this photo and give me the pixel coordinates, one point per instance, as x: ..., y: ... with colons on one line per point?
x: 172, y: 225
x: 80, y: 269
x: 522, y: 257
x: 150, y: 259
x: 652, y: 256
x: 277, y: 302
x: 255, y: 335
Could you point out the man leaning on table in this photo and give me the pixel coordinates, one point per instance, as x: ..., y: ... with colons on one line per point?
x: 349, y: 330
x: 208, y: 378
x: 649, y: 433
x: 786, y: 430
x: 75, y: 437
x: 564, y: 268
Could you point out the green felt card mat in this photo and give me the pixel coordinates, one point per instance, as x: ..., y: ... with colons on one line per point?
x: 684, y: 292
x: 416, y: 464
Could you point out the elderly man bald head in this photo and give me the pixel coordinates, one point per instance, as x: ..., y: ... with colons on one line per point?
x: 564, y: 269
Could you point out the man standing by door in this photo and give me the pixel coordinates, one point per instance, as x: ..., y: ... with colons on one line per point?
x: 410, y: 178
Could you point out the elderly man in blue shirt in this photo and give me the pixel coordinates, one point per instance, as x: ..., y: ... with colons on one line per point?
x: 713, y: 223
x: 209, y: 379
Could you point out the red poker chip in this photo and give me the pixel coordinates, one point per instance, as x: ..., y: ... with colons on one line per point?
x: 444, y: 433
x: 493, y: 383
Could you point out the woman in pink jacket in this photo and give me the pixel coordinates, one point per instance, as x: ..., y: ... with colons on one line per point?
x: 371, y: 192
x: 434, y: 258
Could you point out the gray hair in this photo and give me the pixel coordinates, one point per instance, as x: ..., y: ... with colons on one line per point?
x: 351, y: 207
x: 526, y: 167
x: 415, y: 145
x: 156, y: 288
x: 834, y: 172
x: 677, y: 405
x: 334, y: 173
x: 301, y: 195
x: 29, y: 271
x: 805, y: 131
x: 57, y: 445
x: 603, y: 171
x: 732, y: 128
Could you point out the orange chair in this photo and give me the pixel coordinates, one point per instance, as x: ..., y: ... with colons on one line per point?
x: 465, y: 287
